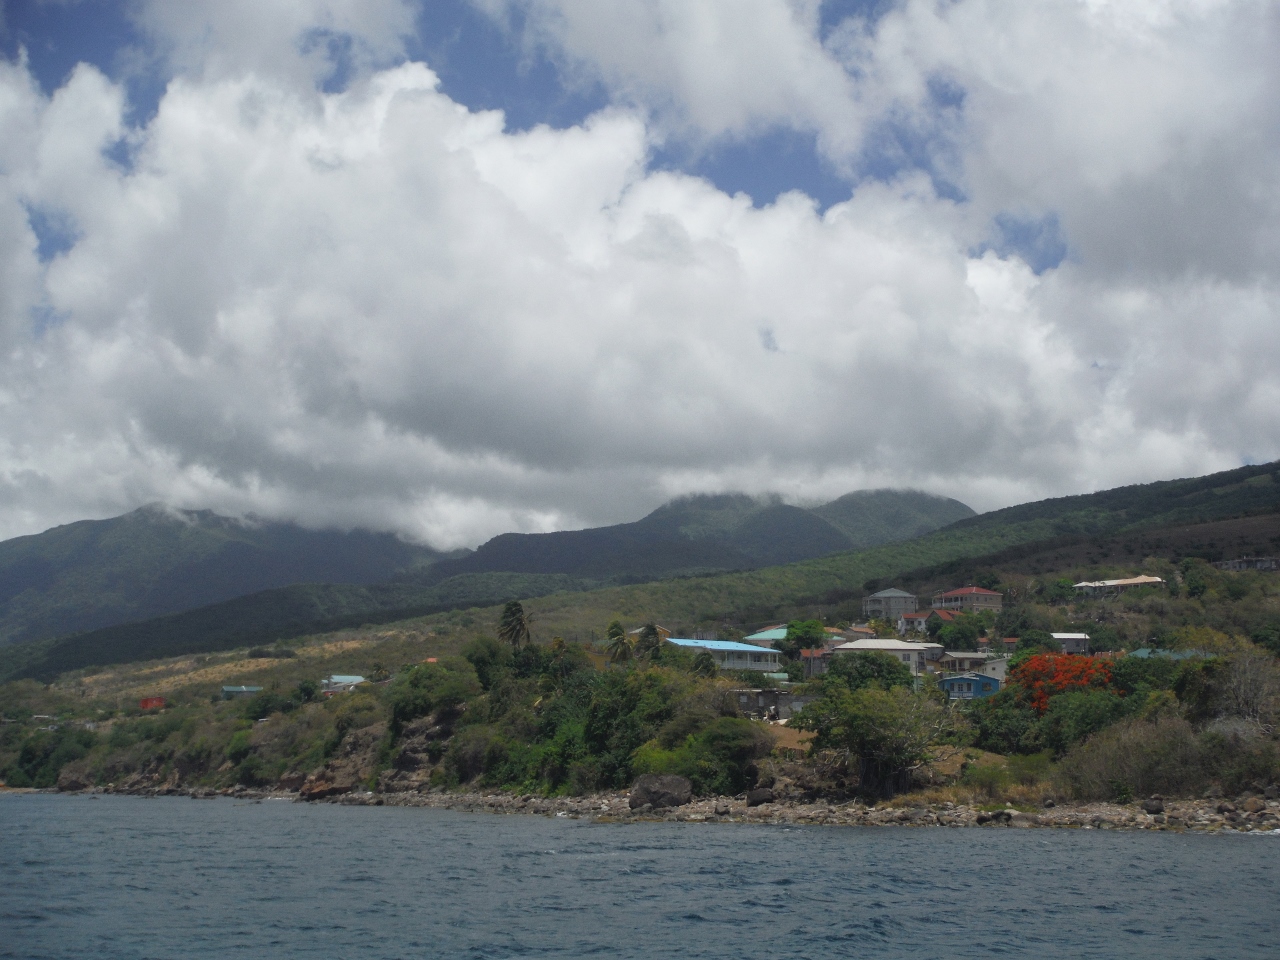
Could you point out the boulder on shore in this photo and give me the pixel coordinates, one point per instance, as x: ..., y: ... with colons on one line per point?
x: 660, y: 790
x: 760, y: 796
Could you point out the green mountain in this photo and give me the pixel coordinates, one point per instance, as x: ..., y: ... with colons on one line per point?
x: 156, y: 561
x: 707, y: 533
x: 570, y: 607
x: 691, y: 536
x: 872, y: 517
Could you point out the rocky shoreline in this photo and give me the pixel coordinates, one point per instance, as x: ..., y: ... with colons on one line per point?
x: 1245, y: 814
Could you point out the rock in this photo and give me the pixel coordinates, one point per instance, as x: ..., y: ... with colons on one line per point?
x: 1252, y: 805
x: 1049, y: 804
x: 723, y: 809
x: 1226, y: 806
x: 984, y: 818
x: 660, y: 790
x: 72, y: 780
x: 293, y: 780
x: 1020, y: 819
x: 759, y: 796
x: 1272, y: 792
x: 1154, y: 805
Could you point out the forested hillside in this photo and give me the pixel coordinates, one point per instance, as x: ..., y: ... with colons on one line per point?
x: 157, y: 560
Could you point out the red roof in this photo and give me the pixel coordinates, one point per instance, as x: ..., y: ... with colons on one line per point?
x: 969, y: 591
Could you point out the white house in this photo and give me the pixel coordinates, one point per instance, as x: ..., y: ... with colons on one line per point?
x: 1096, y: 588
x: 919, y: 657
x: 731, y: 655
x: 339, y: 683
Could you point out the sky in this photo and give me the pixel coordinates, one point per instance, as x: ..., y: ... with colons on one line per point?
x: 458, y: 267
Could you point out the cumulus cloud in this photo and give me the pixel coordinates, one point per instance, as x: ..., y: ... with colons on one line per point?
x: 377, y: 307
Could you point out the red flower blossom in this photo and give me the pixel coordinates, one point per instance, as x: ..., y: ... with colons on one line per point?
x: 1047, y: 674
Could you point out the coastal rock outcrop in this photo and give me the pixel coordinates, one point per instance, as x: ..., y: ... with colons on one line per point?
x: 660, y: 790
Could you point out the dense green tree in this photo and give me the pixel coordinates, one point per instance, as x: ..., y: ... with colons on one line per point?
x: 869, y: 668
x: 618, y: 646
x: 704, y: 665
x: 890, y: 732
x: 428, y: 687
x: 801, y: 635
x: 490, y: 659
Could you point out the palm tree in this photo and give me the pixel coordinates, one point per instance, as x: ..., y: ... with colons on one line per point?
x: 649, y: 641
x: 620, y: 648
x: 513, y: 628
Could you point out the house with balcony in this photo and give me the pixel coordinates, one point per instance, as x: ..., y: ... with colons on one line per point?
x: 973, y: 599
x: 888, y: 604
x: 732, y: 655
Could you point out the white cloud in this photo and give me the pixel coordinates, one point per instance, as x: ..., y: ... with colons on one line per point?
x: 379, y: 308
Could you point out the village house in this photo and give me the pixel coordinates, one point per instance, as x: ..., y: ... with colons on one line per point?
x: 1072, y: 642
x: 1113, y: 588
x: 339, y: 683
x: 663, y: 633
x: 921, y: 658
x: 771, y: 703
x: 1250, y: 563
x: 888, y: 604
x: 732, y: 655
x: 919, y: 622
x: 767, y: 637
x: 968, y: 686
x: 969, y: 598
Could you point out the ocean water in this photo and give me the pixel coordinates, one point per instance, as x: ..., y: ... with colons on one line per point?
x: 117, y: 877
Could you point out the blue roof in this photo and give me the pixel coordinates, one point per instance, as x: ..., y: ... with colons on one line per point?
x: 778, y: 633
x: 727, y: 646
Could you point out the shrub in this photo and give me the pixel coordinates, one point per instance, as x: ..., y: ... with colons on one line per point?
x: 1137, y: 758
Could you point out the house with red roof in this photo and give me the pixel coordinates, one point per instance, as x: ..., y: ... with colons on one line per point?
x: 969, y: 598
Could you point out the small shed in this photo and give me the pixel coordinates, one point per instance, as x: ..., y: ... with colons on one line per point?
x: 151, y: 703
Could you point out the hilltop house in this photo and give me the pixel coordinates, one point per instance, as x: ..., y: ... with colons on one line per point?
x: 969, y: 598
x: 731, y: 655
x: 1112, y: 588
x: 339, y: 683
x: 888, y: 604
x: 1250, y: 563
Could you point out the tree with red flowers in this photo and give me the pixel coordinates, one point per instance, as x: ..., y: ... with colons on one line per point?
x: 1046, y: 675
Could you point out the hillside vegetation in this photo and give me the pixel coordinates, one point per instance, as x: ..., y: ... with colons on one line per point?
x: 732, y: 603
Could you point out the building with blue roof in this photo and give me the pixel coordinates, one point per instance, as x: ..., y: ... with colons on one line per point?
x: 732, y: 655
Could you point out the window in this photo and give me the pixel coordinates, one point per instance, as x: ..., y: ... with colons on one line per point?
x: 906, y: 658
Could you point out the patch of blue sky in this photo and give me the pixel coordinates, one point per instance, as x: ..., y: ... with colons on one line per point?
x: 487, y: 65
x: 57, y: 36
x: 1038, y: 240
x: 55, y: 232
x: 905, y: 141
x: 833, y: 13
x: 762, y: 166
x: 44, y: 318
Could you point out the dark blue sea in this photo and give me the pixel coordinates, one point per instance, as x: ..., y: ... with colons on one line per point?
x: 117, y: 877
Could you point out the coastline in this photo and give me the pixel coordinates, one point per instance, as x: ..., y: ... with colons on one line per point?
x: 1178, y: 816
